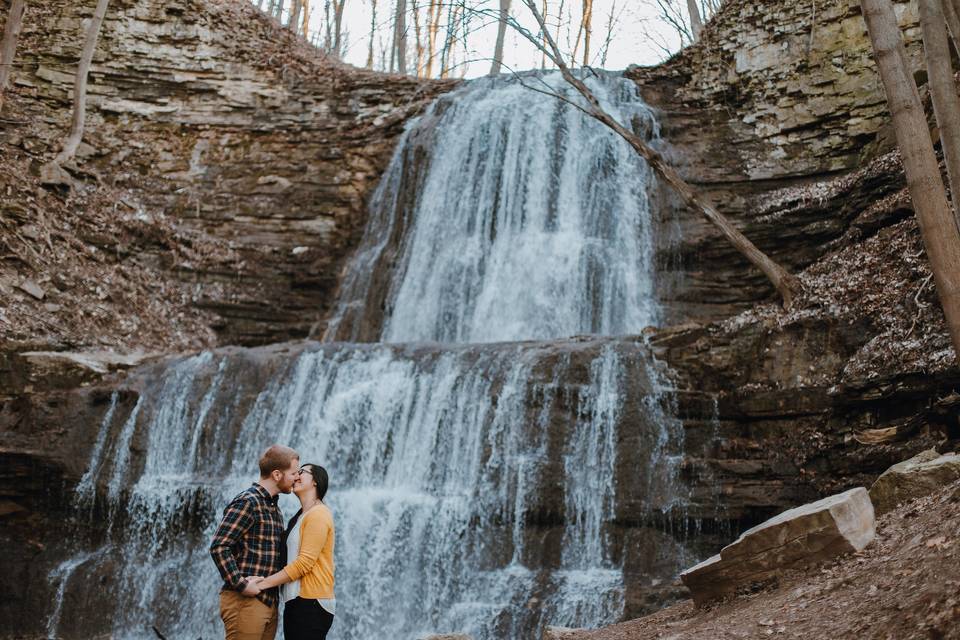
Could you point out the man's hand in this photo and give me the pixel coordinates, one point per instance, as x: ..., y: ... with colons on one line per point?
x: 252, y: 589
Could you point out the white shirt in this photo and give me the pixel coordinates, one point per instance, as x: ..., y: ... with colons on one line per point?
x: 291, y: 590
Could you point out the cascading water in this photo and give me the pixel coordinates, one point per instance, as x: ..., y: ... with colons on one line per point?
x: 476, y: 487
x: 525, y: 220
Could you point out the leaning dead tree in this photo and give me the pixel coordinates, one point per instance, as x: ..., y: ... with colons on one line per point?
x: 941, y: 237
x: 786, y: 284
x: 8, y: 48
x: 943, y: 88
x: 53, y: 172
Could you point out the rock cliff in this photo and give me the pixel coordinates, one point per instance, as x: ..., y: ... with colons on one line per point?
x: 223, y: 156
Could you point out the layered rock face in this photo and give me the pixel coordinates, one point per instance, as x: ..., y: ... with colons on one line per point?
x: 206, y: 112
x: 774, y: 96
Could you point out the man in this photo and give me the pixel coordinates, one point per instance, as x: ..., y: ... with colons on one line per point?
x: 248, y: 543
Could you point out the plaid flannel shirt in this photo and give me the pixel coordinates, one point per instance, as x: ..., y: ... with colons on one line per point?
x: 248, y: 541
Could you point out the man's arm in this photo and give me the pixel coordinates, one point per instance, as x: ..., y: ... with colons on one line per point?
x: 237, y: 520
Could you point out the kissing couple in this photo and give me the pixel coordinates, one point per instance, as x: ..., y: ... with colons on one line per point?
x: 262, y: 562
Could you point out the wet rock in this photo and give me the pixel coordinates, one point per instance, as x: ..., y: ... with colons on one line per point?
x: 803, y: 536
x: 919, y: 476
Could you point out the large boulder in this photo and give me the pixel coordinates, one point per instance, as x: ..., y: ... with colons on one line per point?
x: 799, y: 537
x: 919, y: 476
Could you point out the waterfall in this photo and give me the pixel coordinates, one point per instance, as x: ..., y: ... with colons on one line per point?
x: 525, y: 220
x: 479, y: 458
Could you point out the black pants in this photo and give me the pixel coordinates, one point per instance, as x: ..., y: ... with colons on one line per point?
x: 305, y: 620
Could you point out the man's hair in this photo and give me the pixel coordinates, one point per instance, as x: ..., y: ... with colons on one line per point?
x: 277, y: 458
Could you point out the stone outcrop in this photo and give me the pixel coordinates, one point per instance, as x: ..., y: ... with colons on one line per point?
x: 802, y: 536
x: 919, y: 476
x: 774, y: 96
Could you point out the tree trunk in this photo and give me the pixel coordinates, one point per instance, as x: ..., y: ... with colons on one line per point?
x: 696, y: 24
x: 293, y: 23
x: 433, y: 27
x: 80, y: 87
x: 373, y: 34
x: 453, y: 19
x: 327, y: 28
x: 937, y: 225
x: 8, y: 48
x: 338, y: 26
x: 306, y: 19
x: 501, y: 36
x: 278, y: 10
x: 953, y: 22
x: 543, y: 38
x: 943, y: 90
x: 786, y: 284
x: 587, y: 24
x: 401, y: 36
x: 417, y: 37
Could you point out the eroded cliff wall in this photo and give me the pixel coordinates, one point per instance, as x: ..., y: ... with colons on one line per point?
x: 235, y: 137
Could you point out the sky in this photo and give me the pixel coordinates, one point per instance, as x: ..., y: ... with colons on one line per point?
x: 639, y: 37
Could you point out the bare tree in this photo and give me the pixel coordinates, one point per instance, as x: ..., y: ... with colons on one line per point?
x: 937, y: 226
x: 501, y: 36
x: 338, y: 6
x: 786, y: 284
x: 52, y: 172
x: 953, y: 22
x: 418, y: 37
x: 305, y: 27
x: 696, y: 24
x: 278, y: 10
x: 584, y: 32
x: 943, y: 89
x: 293, y: 22
x: 612, y: 20
x: 400, y: 35
x: 453, y: 20
x: 373, y: 33
x: 434, y: 11
x: 8, y: 48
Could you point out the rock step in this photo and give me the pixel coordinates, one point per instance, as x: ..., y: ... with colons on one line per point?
x: 803, y: 536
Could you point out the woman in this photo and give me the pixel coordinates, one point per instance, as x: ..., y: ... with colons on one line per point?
x: 307, y: 582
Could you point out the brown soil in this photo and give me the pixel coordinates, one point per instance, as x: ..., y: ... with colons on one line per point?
x: 905, y: 584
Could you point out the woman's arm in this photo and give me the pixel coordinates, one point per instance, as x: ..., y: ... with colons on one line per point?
x: 316, y: 528
x: 275, y: 580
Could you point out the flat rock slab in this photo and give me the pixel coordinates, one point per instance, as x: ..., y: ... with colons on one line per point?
x: 559, y: 633
x: 803, y: 536
x: 919, y: 476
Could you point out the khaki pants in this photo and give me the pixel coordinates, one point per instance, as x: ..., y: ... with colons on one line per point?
x: 246, y: 618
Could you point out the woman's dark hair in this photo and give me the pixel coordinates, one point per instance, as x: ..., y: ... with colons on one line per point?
x: 320, y: 478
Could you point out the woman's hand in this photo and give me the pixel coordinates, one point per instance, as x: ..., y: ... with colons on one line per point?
x: 252, y: 588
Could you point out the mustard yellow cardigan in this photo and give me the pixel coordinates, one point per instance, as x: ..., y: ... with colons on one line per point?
x: 313, y: 565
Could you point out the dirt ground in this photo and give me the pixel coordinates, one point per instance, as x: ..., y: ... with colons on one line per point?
x: 904, y: 585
